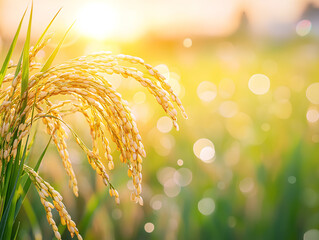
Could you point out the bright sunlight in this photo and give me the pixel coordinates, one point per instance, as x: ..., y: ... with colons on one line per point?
x: 97, y: 20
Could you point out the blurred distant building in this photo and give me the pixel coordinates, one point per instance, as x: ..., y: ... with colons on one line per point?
x: 312, y: 14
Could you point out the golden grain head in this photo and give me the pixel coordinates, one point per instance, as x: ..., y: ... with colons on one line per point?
x: 84, y: 81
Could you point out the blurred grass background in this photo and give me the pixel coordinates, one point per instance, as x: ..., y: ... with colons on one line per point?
x: 243, y: 166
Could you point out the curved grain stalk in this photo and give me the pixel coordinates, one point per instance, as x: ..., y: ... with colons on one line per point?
x: 84, y: 82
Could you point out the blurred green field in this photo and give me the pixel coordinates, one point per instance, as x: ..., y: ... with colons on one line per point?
x: 252, y: 175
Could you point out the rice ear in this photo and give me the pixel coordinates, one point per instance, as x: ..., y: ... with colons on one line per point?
x: 85, y: 82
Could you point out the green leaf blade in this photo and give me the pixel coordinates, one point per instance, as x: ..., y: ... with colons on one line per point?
x: 47, y: 28
x: 27, y: 184
x: 9, y: 54
x: 55, y: 52
x: 25, y: 63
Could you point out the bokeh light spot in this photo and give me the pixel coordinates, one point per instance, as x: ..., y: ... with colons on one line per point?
x: 312, y: 234
x: 232, y: 154
x: 157, y: 205
x: 163, y: 143
x: 206, y: 206
x: 303, y: 27
x: 183, y: 177
x: 246, y: 185
x: 139, y: 97
x: 187, y: 42
x: 207, y: 153
x: 207, y: 91
x: 259, y: 84
x: 176, y: 86
x: 228, y: 109
x: 149, y: 227
x: 164, y: 174
x: 171, y: 189
x: 312, y: 93
x: 167, y: 142
x: 164, y: 124
x: 156, y: 202
x: 180, y: 162
x: 283, y: 109
x: 142, y: 112
x: 166, y: 177
x: 312, y: 115
x: 292, y: 179
x: 204, y: 149
x: 163, y: 69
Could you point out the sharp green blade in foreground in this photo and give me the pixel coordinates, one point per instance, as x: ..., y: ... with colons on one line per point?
x: 47, y: 28
x: 54, y: 53
x: 7, y: 218
x: 25, y: 63
x: 9, y: 54
x: 7, y: 215
x: 28, y: 182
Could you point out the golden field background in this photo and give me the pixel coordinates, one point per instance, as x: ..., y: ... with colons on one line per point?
x: 244, y: 165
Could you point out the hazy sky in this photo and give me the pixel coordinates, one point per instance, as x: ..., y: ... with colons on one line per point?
x: 124, y: 18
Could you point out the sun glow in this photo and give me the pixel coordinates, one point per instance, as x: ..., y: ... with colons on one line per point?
x: 97, y: 20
